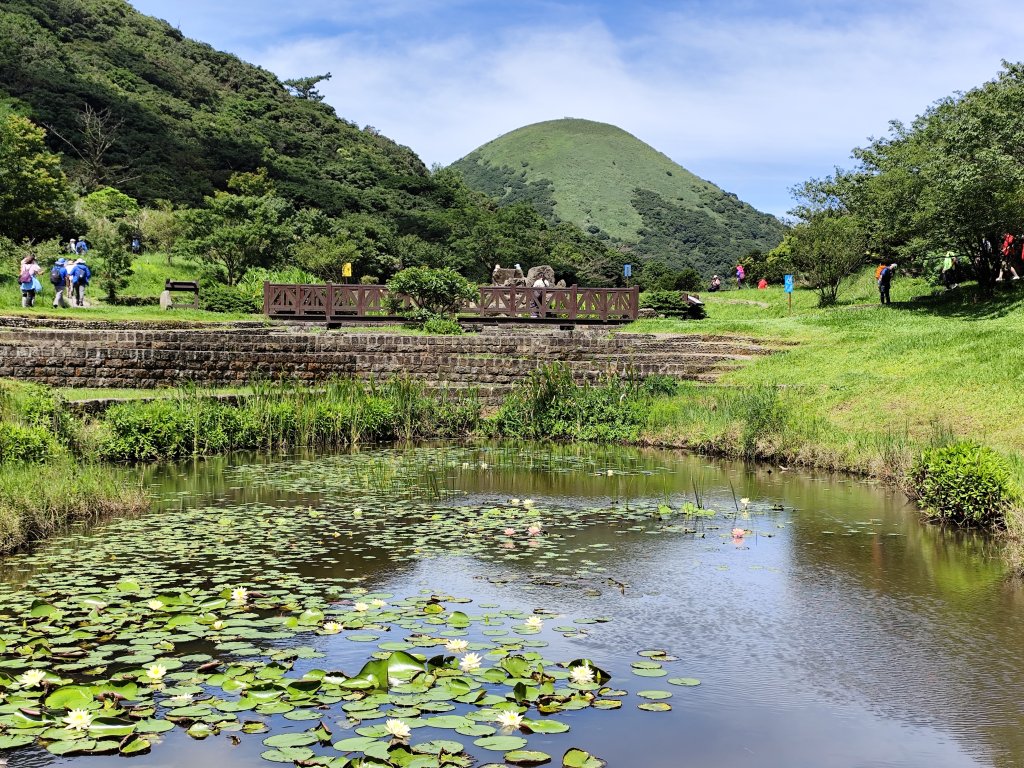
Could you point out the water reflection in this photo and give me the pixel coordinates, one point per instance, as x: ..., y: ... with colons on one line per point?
x: 839, y: 632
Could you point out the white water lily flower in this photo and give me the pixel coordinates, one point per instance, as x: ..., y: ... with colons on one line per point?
x: 360, y: 607
x: 31, y: 678
x: 78, y: 720
x: 397, y: 728
x: 508, y: 719
x: 156, y: 672
x: 331, y: 628
x: 611, y: 472
x: 470, y: 662
x: 514, y: 502
x: 744, y: 502
x: 483, y: 465
x: 534, y: 622
x: 155, y: 605
x: 456, y: 646
x: 217, y: 626
x: 528, y: 502
x: 582, y: 675
x: 378, y: 603
x: 239, y: 594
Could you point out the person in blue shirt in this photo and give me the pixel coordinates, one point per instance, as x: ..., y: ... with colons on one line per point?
x: 59, y: 279
x: 884, y: 282
x: 80, y: 275
x: 82, y: 247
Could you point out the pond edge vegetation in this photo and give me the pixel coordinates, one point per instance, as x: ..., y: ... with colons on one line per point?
x: 44, y: 445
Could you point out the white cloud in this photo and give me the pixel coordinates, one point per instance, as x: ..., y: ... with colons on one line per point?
x: 754, y: 103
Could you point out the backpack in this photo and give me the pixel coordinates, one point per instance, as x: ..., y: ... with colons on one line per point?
x: 56, y: 276
x: 25, y: 276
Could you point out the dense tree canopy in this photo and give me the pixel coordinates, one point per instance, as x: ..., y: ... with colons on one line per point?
x: 952, y: 179
x: 35, y: 201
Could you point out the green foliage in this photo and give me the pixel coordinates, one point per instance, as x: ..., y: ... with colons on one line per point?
x: 25, y: 443
x: 671, y: 304
x: 952, y: 179
x: 37, y: 500
x: 113, y: 258
x: 236, y: 232
x: 550, y: 405
x: 35, y: 199
x: 443, y: 326
x: 620, y: 190
x: 109, y: 203
x: 963, y: 483
x: 341, y: 412
x: 827, y: 248
x: 214, y: 297
x: 436, y: 291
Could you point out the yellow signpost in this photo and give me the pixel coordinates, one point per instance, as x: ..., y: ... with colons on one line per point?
x: 346, y: 270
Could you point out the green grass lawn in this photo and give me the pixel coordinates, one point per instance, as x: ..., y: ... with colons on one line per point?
x: 928, y: 365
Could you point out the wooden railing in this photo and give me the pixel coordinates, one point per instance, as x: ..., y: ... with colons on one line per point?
x: 335, y: 302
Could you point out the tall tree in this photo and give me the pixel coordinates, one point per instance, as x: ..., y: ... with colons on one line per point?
x: 35, y: 200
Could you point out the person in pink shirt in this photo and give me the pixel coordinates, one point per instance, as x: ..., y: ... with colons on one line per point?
x: 741, y: 275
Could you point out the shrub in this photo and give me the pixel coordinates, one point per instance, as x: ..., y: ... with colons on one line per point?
x: 437, y: 291
x: 550, y: 405
x: 443, y: 326
x: 962, y: 483
x: 215, y: 297
x: 21, y: 443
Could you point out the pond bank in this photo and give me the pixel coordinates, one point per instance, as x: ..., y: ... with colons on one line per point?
x: 40, y: 500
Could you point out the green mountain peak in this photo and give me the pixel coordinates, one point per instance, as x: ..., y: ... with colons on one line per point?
x: 609, y: 182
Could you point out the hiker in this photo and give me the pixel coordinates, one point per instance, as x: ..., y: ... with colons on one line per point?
x: 59, y: 280
x: 716, y: 284
x: 28, y: 280
x: 762, y: 284
x: 80, y: 275
x: 538, y: 299
x: 72, y: 245
x: 884, y: 282
x: 949, y: 270
x: 741, y: 274
x: 136, y: 246
x: 82, y: 248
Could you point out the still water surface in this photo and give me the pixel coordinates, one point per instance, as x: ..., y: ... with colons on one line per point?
x: 839, y: 631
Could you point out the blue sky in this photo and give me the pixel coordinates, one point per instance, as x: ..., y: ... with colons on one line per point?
x: 754, y: 96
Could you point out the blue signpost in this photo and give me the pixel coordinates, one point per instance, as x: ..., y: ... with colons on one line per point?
x: 627, y: 270
x: 789, y: 291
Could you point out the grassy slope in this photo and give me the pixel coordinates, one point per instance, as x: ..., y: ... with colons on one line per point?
x: 916, y: 370
x: 595, y: 167
x: 149, y: 271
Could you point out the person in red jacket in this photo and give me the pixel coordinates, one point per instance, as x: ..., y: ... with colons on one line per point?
x: 762, y: 284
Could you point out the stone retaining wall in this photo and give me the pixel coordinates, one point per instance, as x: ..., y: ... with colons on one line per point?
x: 492, y: 361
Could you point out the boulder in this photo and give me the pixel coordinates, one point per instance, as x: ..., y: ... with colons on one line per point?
x: 542, y: 271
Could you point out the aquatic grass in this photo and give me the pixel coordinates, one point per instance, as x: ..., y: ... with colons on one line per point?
x: 38, y: 500
x: 337, y: 413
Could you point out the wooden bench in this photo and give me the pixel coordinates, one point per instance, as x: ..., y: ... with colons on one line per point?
x: 180, y: 286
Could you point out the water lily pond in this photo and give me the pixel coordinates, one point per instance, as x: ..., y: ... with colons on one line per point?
x: 510, y: 605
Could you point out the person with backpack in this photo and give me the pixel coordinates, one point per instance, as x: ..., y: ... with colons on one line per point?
x: 741, y: 275
x: 59, y: 279
x: 82, y: 248
x: 949, y: 270
x: 80, y: 276
x: 28, y: 280
x: 884, y: 283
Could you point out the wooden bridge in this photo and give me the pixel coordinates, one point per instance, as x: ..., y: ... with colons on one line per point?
x: 337, y: 303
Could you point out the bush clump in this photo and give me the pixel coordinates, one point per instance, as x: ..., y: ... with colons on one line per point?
x: 962, y: 483
x: 550, y: 405
x: 442, y: 326
x: 216, y: 297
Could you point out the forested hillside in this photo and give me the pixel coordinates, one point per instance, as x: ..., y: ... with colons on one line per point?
x: 617, y: 187
x: 231, y: 167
